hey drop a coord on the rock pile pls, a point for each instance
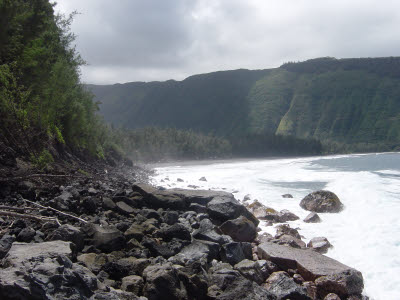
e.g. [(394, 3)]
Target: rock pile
[(126, 240)]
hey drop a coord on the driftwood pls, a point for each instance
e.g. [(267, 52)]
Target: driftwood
[(28, 216), (58, 211), (40, 175)]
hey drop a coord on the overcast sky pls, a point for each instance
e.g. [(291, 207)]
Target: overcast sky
[(146, 40)]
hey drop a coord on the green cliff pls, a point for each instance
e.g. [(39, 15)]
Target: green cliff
[(351, 104)]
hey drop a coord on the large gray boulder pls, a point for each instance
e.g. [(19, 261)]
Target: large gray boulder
[(196, 251), (322, 201), (227, 208), (284, 287), (105, 238), (240, 229), (319, 244), (44, 271), (312, 266)]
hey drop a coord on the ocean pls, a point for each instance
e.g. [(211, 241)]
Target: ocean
[(365, 235)]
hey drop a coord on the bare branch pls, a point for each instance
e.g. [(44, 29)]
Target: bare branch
[(58, 211)]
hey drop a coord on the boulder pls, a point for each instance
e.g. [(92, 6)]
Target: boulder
[(257, 271), (44, 271), (26, 235), (68, 233), (197, 251), (171, 217), (319, 244), (227, 208), (287, 196), (343, 284), (156, 248), (167, 233), (228, 284), (207, 232), (322, 201), (155, 198), (124, 208), (105, 238), (289, 240), (285, 229), (263, 212), (133, 284), (312, 218), (332, 275), (235, 252), (202, 179), (331, 296), (5, 244), (284, 287), (162, 282), (240, 229), (94, 262)]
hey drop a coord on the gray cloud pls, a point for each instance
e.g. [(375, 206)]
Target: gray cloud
[(133, 40)]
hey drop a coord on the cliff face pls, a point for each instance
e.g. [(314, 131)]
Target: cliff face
[(351, 101)]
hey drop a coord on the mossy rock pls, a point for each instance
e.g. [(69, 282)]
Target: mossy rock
[(322, 201)]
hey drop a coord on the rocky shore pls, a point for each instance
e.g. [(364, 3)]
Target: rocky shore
[(114, 237)]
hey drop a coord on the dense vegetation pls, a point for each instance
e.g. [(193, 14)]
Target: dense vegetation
[(347, 104), (42, 101)]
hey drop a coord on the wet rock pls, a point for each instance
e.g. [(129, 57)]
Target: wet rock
[(68, 233), (228, 208), (344, 284), (198, 208), (312, 218), (178, 231), (171, 217), (26, 235), (284, 287), (240, 229), (311, 289), (289, 240), (197, 251), (44, 271), (263, 212), (94, 262), (287, 196), (207, 232), (179, 180), (332, 275), (235, 252), (332, 296), (162, 282), (285, 229), (133, 284), (322, 201), (257, 271), (155, 198), (156, 248), (5, 244), (202, 179), (108, 203), (228, 284), (124, 208), (286, 215), (106, 238), (319, 244)]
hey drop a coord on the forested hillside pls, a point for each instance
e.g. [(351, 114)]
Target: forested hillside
[(42, 101), (349, 104)]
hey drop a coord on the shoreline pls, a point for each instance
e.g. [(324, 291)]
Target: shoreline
[(122, 239)]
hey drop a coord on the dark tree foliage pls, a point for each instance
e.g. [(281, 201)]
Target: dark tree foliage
[(382, 66), (267, 144), (41, 97), (161, 144)]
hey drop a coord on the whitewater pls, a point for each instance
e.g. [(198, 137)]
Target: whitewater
[(365, 235)]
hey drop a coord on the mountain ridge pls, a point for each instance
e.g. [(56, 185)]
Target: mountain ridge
[(352, 102)]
